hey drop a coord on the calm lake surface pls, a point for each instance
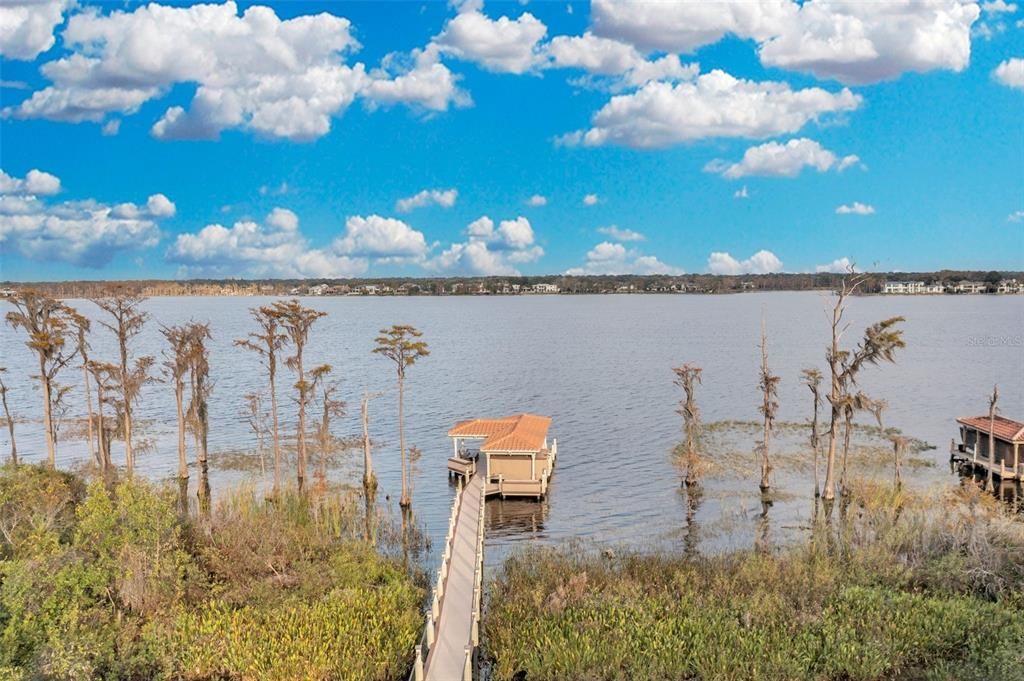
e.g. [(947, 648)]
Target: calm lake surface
[(600, 366)]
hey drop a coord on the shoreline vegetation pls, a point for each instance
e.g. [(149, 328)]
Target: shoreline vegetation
[(953, 282), (900, 586), (109, 580)]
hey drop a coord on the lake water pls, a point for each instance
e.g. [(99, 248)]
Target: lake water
[(600, 366)]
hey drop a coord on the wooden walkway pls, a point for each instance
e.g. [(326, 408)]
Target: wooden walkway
[(451, 632)]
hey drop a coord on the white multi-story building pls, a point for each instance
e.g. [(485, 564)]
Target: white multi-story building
[(545, 288), (903, 287), (970, 287), (1010, 286)]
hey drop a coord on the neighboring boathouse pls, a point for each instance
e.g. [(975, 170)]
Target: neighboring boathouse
[(1008, 441), (514, 457)]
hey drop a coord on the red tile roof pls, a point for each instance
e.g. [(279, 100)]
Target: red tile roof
[(1005, 429), (519, 433)]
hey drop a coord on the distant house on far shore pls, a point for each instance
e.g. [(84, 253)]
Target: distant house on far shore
[(1010, 286), (903, 287), (970, 287), (545, 288)]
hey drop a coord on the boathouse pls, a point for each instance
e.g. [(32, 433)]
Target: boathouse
[(513, 454), (1008, 441)]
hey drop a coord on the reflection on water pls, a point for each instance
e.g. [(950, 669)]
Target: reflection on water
[(1010, 492), (600, 366), (516, 518)]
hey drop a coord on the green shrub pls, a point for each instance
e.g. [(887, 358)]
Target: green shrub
[(115, 585)]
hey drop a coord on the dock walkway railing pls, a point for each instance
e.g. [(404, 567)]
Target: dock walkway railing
[(431, 628)]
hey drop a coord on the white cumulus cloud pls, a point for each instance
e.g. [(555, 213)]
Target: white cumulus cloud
[(618, 234), (614, 258), (590, 200), (685, 26), (26, 26), (440, 197), (537, 200), (782, 160), (837, 266), (381, 238), (35, 182), (862, 42), (714, 105), (275, 248), (762, 262), (1016, 216), (607, 57), (856, 208), (852, 41), (490, 251), (503, 45), (84, 233), (418, 79), (281, 78), (1010, 73)]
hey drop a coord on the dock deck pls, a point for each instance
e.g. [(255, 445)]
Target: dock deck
[(451, 631)]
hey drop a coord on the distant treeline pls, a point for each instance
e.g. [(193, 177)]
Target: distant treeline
[(687, 283)]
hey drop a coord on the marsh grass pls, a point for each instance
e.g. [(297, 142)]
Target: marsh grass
[(897, 585), (111, 582), (729, 449)]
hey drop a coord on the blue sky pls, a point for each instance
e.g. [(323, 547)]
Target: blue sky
[(280, 139)]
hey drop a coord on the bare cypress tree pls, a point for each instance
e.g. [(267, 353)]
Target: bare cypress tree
[(47, 322), (82, 325), (7, 415), (297, 321), (880, 342), (330, 407), (687, 377), (899, 449), (254, 416), (812, 379), (198, 409), (58, 409), (267, 343), (369, 477), (128, 321), (993, 402), (177, 364), (401, 345), (104, 375), (769, 384)]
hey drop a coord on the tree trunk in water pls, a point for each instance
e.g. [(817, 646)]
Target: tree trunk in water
[(765, 461), (204, 469), (369, 479), (88, 415), (277, 440), (814, 438), (301, 467), (182, 461), (830, 462), (10, 429), (405, 502), (847, 425), (128, 456), (834, 395), (101, 428), (51, 446)]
